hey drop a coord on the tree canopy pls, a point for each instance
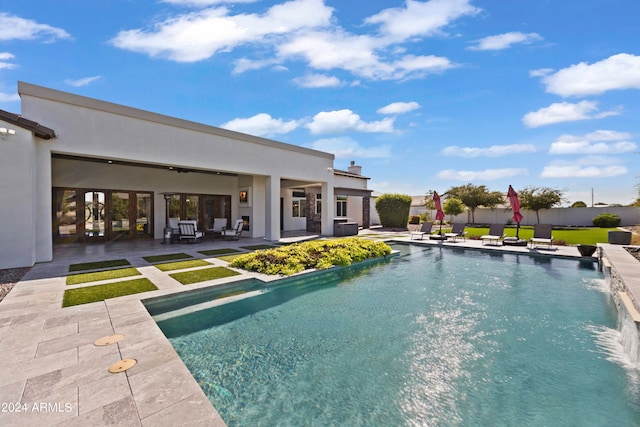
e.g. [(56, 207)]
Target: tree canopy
[(475, 195), (537, 198)]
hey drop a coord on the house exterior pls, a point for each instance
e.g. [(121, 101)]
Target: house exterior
[(77, 169)]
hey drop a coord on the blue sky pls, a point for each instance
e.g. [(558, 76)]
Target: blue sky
[(424, 95)]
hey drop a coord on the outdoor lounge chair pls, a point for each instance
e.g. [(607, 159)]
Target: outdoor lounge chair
[(457, 230), (496, 232), (219, 225), (541, 235), (189, 230), (235, 232), (424, 229)]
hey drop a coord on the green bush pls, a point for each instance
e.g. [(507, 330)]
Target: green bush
[(606, 220), (393, 209), (318, 254)]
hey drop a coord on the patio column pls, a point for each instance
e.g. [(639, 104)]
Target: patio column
[(328, 209), (272, 208)]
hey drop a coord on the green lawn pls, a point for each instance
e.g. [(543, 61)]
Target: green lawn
[(202, 275), (101, 292), (98, 265), (166, 257), (570, 236), (180, 265), (76, 279)]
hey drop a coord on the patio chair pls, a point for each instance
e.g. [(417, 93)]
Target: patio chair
[(424, 229), (189, 231), (457, 230), (219, 224), (496, 232), (235, 232), (541, 235)]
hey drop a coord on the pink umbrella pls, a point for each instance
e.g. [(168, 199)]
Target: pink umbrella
[(515, 206), (439, 211)]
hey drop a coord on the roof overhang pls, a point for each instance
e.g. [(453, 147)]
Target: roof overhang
[(37, 129)]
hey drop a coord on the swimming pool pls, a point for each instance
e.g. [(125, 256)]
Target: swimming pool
[(433, 337)]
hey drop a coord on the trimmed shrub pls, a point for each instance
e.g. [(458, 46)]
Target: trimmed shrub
[(318, 254), (393, 209), (606, 220)]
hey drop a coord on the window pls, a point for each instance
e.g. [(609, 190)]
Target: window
[(299, 205), (341, 206)]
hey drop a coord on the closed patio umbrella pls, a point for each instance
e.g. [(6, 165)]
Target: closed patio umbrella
[(515, 206), (439, 211)]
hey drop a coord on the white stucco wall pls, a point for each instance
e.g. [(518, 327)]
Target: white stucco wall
[(18, 211)]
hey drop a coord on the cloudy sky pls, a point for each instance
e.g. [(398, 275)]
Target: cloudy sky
[(424, 95)]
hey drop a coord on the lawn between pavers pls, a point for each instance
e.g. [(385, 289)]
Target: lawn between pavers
[(98, 265), (96, 293), (203, 275), (76, 279)]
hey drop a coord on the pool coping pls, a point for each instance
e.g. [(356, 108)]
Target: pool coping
[(52, 362)]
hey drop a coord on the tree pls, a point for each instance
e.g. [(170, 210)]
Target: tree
[(453, 207), (536, 198), (476, 195), (393, 209), (579, 204)]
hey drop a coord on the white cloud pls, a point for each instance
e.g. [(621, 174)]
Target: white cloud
[(82, 82), (582, 171), (492, 151), (345, 147), (198, 35), (399, 108), (565, 112), (618, 72), (598, 142), (204, 3), (5, 58), (317, 81), (541, 72), (341, 121), (9, 97), (261, 125), (487, 174), (504, 41), (302, 30), (418, 18), (15, 28)]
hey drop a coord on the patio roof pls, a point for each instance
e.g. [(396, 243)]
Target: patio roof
[(38, 130)]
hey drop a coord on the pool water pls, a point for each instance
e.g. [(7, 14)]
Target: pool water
[(434, 337)]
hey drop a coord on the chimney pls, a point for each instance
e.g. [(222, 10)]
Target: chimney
[(357, 170)]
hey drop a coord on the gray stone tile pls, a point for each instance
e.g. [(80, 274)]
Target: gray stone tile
[(103, 392), (199, 410), (22, 370), (12, 392), (71, 341), (121, 413), (161, 387), (149, 354)]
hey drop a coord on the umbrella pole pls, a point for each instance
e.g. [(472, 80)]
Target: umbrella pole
[(518, 231)]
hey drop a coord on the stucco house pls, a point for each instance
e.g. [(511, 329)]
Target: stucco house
[(77, 169)]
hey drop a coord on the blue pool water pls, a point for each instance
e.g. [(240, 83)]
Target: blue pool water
[(434, 337)]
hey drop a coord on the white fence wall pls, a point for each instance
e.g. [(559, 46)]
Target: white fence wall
[(581, 217)]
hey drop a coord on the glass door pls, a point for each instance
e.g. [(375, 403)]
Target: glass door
[(94, 215), (119, 218), (144, 212)]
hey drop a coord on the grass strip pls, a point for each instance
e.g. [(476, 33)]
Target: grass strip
[(257, 247), (229, 258), (76, 279), (216, 252), (195, 276), (569, 236), (166, 257), (180, 265), (90, 294), (98, 265)]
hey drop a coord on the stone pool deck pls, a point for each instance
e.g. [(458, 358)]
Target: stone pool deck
[(53, 374)]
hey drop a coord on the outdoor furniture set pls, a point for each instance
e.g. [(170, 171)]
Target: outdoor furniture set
[(187, 230), (541, 235)]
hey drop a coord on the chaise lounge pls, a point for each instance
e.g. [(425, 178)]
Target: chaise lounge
[(496, 232), (424, 229), (541, 235), (457, 230)]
